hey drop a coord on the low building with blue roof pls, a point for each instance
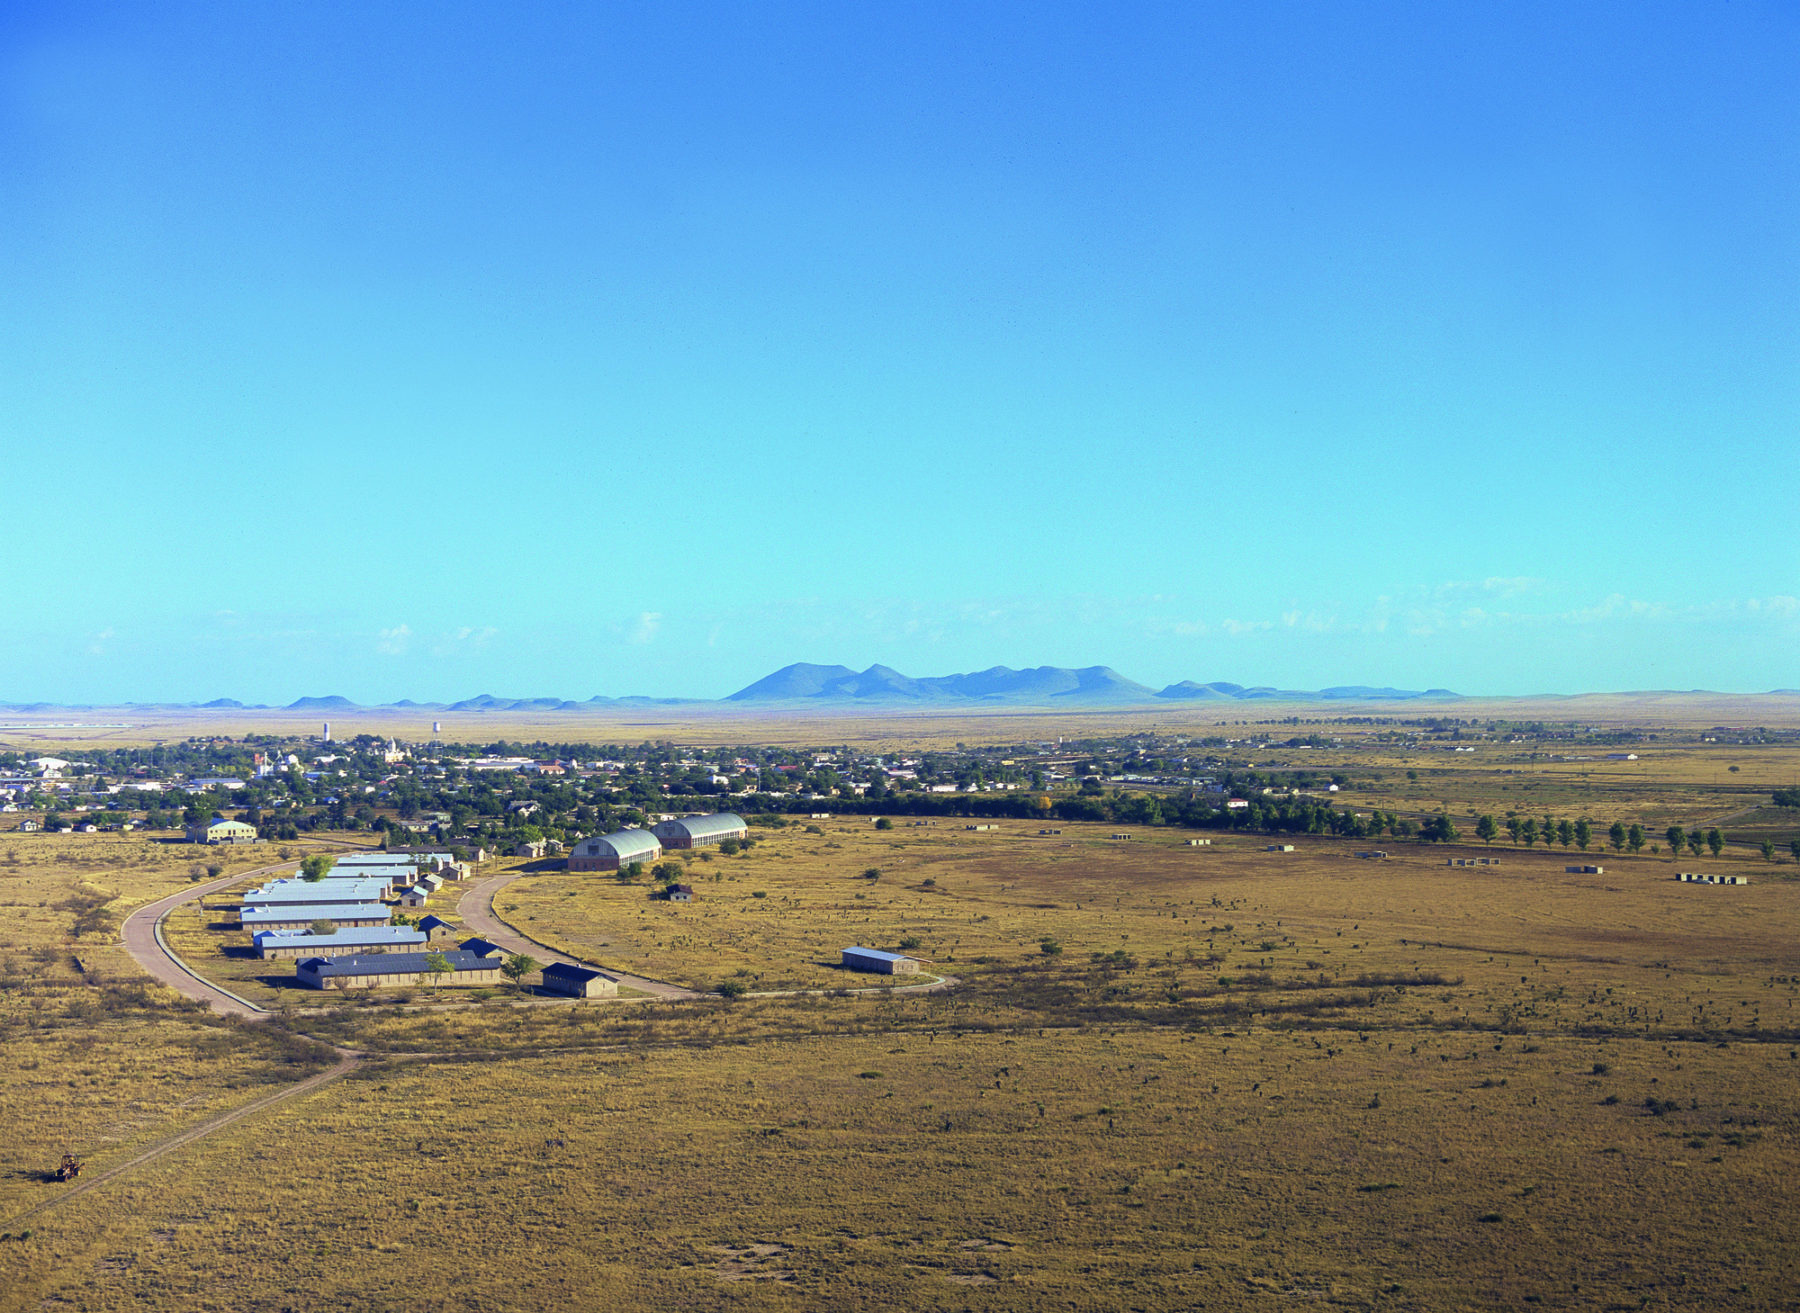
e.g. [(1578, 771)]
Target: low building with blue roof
[(372, 971), (369, 939), (341, 916), (302, 893), (884, 963), (578, 982)]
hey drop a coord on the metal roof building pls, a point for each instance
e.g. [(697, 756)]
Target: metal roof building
[(391, 859), (610, 852), (395, 969), (301, 918), (481, 948), (697, 831), (369, 939), (579, 982), (312, 893), (874, 959)]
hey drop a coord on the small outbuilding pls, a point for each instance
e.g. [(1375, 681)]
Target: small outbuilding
[(880, 962), (434, 926), (578, 982), (681, 893), (532, 849), (1279, 848), (414, 897), (481, 948)]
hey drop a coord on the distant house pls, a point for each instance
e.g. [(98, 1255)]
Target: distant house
[(578, 982), (26, 827), (680, 893), (700, 831), (1279, 848), (377, 969), (414, 897), (532, 849), (883, 963), (435, 926), (612, 852), (221, 831), (481, 948), (1585, 870), (1199, 843), (1236, 804)]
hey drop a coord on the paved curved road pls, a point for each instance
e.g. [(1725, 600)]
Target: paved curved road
[(476, 908), (143, 940)]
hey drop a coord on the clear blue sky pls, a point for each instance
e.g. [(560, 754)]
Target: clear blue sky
[(418, 351)]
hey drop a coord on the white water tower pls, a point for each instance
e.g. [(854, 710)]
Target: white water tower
[(325, 736)]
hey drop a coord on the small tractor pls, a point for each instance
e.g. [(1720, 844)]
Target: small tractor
[(68, 1169)]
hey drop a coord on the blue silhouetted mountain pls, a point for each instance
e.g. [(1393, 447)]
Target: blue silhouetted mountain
[(1187, 689), (791, 683), (1040, 684), (1035, 686), (332, 703), (221, 703)]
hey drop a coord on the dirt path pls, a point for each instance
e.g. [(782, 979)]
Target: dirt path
[(476, 908), (348, 1061)]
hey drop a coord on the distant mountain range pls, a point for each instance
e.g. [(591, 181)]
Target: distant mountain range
[(1036, 686), (804, 685)]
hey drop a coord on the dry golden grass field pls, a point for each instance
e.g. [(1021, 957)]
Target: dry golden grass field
[(880, 730), (1170, 1078)]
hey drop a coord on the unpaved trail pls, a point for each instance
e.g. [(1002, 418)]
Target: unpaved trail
[(348, 1061), (476, 908)]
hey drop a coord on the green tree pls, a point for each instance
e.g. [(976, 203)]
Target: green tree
[(1584, 834), (1715, 841), (1768, 850), (314, 868), (1513, 827), (729, 989), (437, 966), (517, 966), (1695, 841), (884, 824), (667, 872), (1676, 837), (1548, 830), (1528, 828), (1794, 848), (1634, 838), (1565, 833), (1486, 829), (1617, 836)]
